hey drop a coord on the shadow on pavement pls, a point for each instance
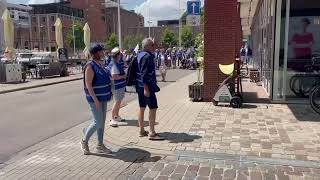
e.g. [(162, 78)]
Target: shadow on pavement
[(303, 112), (179, 137), (134, 123), (249, 106), (133, 155)]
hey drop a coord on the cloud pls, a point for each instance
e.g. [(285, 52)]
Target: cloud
[(155, 10)]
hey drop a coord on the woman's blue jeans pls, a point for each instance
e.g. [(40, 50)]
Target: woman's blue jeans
[(98, 122)]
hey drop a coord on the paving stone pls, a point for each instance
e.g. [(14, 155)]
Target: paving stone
[(158, 167), (176, 176), (180, 169), (202, 178), (229, 174), (256, 175), (151, 174), (162, 178), (193, 168), (204, 171), (168, 169)]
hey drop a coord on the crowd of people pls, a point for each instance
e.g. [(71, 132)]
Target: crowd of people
[(105, 77)]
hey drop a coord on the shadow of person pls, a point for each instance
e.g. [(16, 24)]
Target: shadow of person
[(134, 123), (179, 137), (133, 155)]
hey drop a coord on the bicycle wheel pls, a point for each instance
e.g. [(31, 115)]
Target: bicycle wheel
[(315, 99), (307, 84), (295, 85)]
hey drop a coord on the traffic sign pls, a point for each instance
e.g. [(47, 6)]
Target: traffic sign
[(194, 7), (193, 20)]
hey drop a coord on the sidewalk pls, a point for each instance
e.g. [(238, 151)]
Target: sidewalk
[(34, 83), (259, 141)]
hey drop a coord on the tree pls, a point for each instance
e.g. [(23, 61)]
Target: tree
[(78, 36), (199, 45), (168, 38), (112, 41), (131, 41), (187, 39)]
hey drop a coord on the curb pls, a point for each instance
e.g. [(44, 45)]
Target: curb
[(39, 85)]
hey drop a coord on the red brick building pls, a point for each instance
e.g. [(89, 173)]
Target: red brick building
[(129, 20), (95, 15), (223, 37)]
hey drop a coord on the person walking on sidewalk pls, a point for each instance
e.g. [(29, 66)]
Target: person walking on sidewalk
[(163, 67), (118, 74), (97, 88), (147, 88)]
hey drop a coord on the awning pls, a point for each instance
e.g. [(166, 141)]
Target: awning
[(247, 11)]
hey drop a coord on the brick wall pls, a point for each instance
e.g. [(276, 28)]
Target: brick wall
[(221, 41), (94, 14)]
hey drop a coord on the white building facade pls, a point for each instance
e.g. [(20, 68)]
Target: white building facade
[(3, 5)]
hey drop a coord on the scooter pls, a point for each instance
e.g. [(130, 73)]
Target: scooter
[(230, 90)]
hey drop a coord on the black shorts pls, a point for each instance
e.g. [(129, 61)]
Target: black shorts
[(144, 101)]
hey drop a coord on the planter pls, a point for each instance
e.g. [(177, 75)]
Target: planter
[(196, 91)]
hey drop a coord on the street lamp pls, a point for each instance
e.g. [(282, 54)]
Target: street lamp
[(149, 22), (119, 25)]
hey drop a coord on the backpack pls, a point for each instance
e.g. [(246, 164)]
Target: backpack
[(132, 71)]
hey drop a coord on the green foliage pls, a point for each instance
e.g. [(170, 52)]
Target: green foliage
[(168, 38), (199, 40), (112, 41), (78, 34), (187, 39), (131, 41)]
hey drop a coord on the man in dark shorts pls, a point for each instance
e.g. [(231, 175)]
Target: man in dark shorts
[(147, 88)]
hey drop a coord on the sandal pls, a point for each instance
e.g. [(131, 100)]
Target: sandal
[(156, 137), (144, 134)]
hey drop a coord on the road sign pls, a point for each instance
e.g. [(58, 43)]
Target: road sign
[(193, 20), (194, 7)]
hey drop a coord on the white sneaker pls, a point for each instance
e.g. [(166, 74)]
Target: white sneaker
[(102, 149), (113, 123), (119, 119)]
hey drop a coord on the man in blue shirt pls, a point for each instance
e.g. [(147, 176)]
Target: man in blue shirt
[(147, 88)]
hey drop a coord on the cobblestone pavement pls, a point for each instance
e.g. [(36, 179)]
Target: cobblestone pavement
[(256, 142)]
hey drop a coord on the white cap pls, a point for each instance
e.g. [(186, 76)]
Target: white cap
[(115, 51)]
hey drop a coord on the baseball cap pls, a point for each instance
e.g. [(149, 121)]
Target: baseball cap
[(115, 51), (96, 48)]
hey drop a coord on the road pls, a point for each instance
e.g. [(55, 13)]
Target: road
[(31, 116)]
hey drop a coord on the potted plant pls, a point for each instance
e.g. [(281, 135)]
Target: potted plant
[(196, 89)]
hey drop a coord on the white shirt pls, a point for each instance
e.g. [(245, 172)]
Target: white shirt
[(115, 70)]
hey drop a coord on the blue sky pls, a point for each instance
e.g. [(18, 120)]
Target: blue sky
[(152, 10)]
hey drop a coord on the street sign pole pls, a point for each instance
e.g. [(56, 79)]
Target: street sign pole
[(180, 24)]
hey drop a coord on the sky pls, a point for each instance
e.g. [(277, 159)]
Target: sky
[(152, 10)]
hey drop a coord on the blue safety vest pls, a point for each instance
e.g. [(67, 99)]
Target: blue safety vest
[(122, 83), (152, 80), (101, 83)]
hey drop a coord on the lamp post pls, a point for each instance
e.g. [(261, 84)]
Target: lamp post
[(180, 23), (119, 26), (149, 22)]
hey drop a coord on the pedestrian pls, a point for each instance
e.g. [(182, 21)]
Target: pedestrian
[(147, 88), (117, 68), (243, 54), (163, 67), (173, 55), (97, 88), (249, 55), (179, 56)]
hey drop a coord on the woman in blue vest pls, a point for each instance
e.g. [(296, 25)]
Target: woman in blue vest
[(118, 74), (97, 88)]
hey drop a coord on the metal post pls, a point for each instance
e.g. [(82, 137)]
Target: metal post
[(74, 38), (119, 26), (49, 32), (149, 31)]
